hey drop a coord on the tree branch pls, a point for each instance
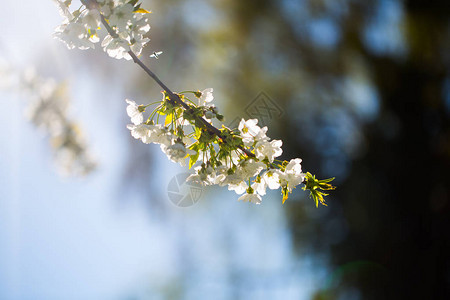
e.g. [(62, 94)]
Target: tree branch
[(174, 98)]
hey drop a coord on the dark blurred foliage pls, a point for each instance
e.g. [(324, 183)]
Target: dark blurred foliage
[(365, 90)]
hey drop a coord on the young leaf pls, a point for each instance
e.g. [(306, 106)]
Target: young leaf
[(285, 193), (143, 11), (193, 159), (168, 119), (198, 133)]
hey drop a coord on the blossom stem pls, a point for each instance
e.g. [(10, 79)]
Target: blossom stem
[(189, 100), (152, 104), (152, 115), (184, 92)]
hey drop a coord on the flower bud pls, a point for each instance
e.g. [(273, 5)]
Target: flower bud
[(209, 114), (198, 94)]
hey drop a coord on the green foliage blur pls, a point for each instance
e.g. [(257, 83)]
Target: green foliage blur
[(364, 87)]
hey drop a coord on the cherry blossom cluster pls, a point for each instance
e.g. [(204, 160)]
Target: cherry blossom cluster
[(244, 159), (48, 109), (126, 30)]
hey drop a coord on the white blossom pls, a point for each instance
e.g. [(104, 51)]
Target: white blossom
[(196, 179), (258, 138), (251, 133), (74, 35), (232, 179), (238, 188), (134, 112), (206, 97), (178, 152), (137, 42), (146, 133), (270, 149), (294, 166), (208, 176), (91, 19), (63, 9), (161, 135), (80, 28), (272, 179), (260, 187), (151, 134), (248, 128), (253, 198), (250, 168), (116, 47), (121, 16), (292, 176)]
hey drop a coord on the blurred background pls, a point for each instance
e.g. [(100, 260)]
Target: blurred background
[(362, 92)]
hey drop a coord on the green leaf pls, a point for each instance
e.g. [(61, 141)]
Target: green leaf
[(193, 159), (327, 180), (168, 119), (315, 185), (285, 193), (198, 133), (142, 11)]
